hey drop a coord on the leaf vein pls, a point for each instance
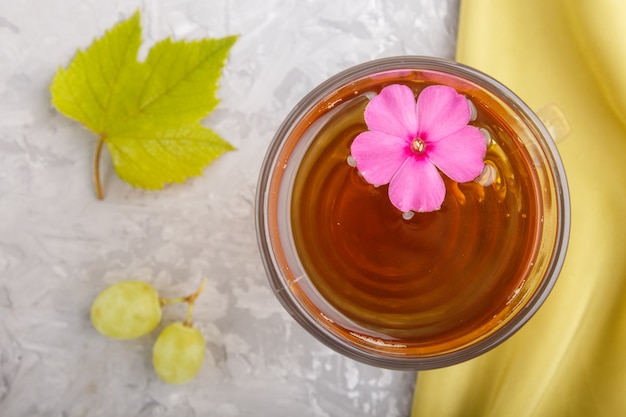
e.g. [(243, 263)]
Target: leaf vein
[(119, 70), (142, 108), (74, 95)]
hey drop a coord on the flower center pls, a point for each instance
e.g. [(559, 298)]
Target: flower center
[(418, 146)]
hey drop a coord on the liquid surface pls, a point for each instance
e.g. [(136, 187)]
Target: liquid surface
[(434, 278)]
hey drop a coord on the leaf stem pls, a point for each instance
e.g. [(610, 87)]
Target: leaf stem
[(96, 168)]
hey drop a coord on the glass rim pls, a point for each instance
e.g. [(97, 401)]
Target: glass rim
[(562, 203)]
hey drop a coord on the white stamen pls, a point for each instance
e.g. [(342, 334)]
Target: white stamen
[(418, 146), (408, 215), (351, 161)]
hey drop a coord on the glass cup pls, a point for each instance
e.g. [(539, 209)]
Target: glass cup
[(426, 290)]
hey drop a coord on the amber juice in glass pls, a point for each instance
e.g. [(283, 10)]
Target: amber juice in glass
[(411, 292)]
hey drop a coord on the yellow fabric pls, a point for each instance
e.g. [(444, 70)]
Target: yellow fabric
[(570, 359)]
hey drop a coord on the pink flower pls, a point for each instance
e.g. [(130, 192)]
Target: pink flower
[(409, 142)]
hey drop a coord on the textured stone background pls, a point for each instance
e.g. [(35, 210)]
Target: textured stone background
[(59, 246)]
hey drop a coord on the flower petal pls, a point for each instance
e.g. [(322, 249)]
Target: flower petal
[(379, 155), (441, 111), (417, 186), (393, 111), (460, 155)]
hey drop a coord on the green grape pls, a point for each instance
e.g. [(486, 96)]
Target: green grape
[(126, 310), (178, 353)]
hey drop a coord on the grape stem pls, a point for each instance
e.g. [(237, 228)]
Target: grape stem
[(189, 299)]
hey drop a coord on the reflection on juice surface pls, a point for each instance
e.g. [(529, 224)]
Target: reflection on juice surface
[(432, 282)]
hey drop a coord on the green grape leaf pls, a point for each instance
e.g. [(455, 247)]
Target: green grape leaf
[(147, 113)]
